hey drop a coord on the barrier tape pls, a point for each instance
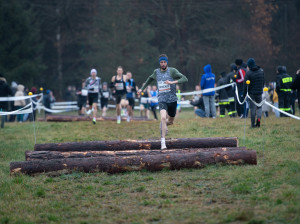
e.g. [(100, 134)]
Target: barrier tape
[(22, 110), (14, 98)]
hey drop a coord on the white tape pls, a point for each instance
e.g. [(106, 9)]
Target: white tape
[(14, 98), (281, 111), (207, 90), (22, 110)]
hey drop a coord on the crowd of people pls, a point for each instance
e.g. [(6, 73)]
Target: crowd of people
[(282, 93), (122, 89)]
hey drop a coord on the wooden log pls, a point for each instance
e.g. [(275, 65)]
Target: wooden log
[(118, 164), (121, 145), (47, 155), (70, 118)]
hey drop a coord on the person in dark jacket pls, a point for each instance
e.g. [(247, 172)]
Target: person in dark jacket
[(284, 88), (255, 75), (296, 85), (223, 96), (5, 91), (239, 79), (231, 90), (200, 111)]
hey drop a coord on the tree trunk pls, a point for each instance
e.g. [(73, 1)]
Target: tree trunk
[(70, 118), (48, 155), (118, 164), (121, 145)]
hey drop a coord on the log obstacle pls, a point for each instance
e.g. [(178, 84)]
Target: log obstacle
[(123, 145), (48, 155), (70, 118), (172, 159)]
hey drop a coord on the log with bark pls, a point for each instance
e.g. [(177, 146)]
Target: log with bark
[(118, 164), (70, 118), (47, 155), (121, 145)]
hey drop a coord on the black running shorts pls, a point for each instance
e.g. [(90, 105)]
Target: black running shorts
[(131, 102), (104, 102), (119, 97), (93, 98), (169, 107)]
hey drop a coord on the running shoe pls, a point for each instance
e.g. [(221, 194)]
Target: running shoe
[(163, 146), (94, 120)]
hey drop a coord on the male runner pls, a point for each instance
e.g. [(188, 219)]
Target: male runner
[(118, 83), (166, 78), (130, 96), (93, 85)]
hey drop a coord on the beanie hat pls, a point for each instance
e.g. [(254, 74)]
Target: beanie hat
[(238, 62), (94, 70), (251, 63)]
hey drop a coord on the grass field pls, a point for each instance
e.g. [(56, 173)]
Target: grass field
[(266, 193)]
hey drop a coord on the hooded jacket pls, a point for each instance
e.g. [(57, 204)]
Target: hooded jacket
[(257, 80), (5, 91), (208, 80), (20, 92)]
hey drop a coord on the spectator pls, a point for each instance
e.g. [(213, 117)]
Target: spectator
[(153, 103), (296, 86), (223, 97), (14, 87), (207, 82), (19, 103), (5, 91), (240, 77), (275, 100), (231, 90), (266, 108), (199, 107), (283, 88), (47, 102), (255, 89)]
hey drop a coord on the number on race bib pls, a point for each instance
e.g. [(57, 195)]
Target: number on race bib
[(163, 88), (119, 86), (84, 92)]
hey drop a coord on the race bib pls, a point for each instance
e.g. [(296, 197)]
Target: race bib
[(96, 89), (106, 94), (84, 92), (163, 88), (119, 86), (128, 88)]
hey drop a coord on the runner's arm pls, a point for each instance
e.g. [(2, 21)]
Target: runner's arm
[(180, 78), (150, 79)]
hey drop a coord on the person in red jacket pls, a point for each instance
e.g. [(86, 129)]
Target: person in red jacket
[(239, 79)]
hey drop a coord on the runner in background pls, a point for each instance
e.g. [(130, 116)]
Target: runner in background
[(166, 79), (144, 102), (93, 85), (82, 98), (153, 101), (118, 85), (130, 96), (104, 98)]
